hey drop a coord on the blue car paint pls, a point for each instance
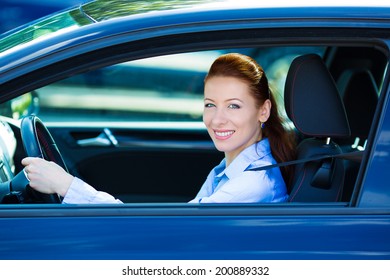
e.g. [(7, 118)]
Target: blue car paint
[(376, 185), (196, 237)]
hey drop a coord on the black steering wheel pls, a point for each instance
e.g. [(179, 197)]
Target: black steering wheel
[(38, 142)]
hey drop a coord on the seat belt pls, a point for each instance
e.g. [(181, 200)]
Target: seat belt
[(355, 156)]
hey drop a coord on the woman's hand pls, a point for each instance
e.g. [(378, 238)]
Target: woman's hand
[(46, 176)]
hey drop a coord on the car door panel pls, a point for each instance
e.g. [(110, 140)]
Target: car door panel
[(181, 232)]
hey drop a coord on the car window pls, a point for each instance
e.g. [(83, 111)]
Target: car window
[(153, 108), (163, 88)]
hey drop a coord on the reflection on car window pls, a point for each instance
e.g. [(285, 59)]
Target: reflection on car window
[(164, 88)]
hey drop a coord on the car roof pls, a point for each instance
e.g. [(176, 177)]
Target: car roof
[(103, 10)]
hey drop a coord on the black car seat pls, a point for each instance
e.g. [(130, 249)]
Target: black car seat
[(315, 107), (359, 92), (360, 96)]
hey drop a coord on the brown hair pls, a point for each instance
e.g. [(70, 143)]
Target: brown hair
[(245, 68)]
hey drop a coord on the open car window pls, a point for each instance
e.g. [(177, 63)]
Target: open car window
[(121, 120)]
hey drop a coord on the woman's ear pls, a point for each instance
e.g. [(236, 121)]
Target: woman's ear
[(265, 111)]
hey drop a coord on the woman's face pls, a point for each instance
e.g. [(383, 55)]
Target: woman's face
[(231, 116)]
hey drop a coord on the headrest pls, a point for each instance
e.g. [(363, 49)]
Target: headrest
[(312, 100), (360, 96)]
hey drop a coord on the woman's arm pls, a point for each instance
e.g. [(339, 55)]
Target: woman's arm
[(80, 192)]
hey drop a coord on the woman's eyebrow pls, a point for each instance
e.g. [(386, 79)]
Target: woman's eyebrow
[(235, 99), (227, 100)]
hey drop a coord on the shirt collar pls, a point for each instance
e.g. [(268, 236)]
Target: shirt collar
[(246, 158)]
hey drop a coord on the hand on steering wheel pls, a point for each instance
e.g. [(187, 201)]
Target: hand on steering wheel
[(38, 142)]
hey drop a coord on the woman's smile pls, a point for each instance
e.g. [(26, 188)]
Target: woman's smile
[(223, 134)]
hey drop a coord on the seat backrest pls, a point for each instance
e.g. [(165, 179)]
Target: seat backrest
[(360, 96), (315, 107)]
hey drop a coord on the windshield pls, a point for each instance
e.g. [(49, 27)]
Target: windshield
[(88, 13), (45, 27)]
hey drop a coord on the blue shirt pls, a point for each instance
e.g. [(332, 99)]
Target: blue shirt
[(236, 184)]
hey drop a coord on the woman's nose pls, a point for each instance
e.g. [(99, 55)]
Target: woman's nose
[(219, 117)]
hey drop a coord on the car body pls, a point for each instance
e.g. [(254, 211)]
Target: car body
[(135, 70)]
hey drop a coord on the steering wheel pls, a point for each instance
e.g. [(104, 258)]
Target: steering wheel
[(38, 142)]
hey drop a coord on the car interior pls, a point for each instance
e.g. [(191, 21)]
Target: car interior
[(307, 105), (158, 155)]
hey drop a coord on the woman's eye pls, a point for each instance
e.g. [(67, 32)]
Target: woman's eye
[(209, 105), (234, 106)]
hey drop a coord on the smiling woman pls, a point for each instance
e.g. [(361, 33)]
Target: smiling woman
[(238, 102)]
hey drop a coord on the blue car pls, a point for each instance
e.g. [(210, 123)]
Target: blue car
[(113, 91)]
